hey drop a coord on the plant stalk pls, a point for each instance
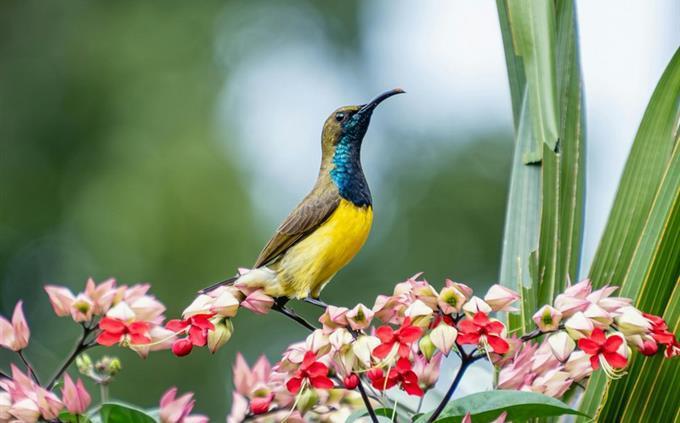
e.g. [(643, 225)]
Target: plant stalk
[(81, 346)]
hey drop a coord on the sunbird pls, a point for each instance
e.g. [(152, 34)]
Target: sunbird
[(331, 224)]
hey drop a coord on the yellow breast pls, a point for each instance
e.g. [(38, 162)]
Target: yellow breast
[(310, 264)]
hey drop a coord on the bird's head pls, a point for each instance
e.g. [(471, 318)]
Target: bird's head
[(347, 125)]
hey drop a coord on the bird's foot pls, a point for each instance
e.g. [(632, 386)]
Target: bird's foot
[(316, 301)]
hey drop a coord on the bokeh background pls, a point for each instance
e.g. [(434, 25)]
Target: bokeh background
[(164, 141)]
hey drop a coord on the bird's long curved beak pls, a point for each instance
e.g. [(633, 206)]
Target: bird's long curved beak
[(379, 99)]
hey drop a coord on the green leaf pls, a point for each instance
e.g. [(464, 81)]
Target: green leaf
[(66, 417), (123, 413), (545, 203), (532, 24), (640, 251), (487, 406)]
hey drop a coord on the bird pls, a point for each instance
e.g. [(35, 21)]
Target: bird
[(329, 226)]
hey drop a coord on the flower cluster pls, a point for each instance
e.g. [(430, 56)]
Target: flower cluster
[(586, 330), (125, 315), (22, 399)]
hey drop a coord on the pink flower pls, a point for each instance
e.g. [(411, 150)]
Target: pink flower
[(30, 401), (427, 370), (403, 338), (334, 317), (518, 372), (14, 336), (102, 295), (359, 317), (480, 328), (444, 337), (177, 410), (579, 290), (61, 299), (196, 326), (75, 397), (312, 371), (451, 300), (499, 298), (258, 302), (547, 318)]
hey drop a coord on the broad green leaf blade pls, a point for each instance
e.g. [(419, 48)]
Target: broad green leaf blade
[(487, 406), (640, 249), (532, 24), (121, 413), (515, 67), (545, 204), (66, 417)]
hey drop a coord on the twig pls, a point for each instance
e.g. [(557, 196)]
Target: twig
[(367, 402), (294, 316), (82, 345), (29, 368)]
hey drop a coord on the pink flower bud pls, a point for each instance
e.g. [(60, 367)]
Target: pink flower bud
[(61, 299), (427, 370), (226, 303), (258, 302), (599, 316), (200, 305), (25, 410), (444, 337), (176, 410), (260, 405), (359, 317), (5, 405), (475, 305), (75, 396), (579, 290), (568, 305), (561, 345), (553, 383), (318, 342), (499, 298), (464, 289), (547, 318), (578, 365), (14, 336), (631, 321), (420, 314), (579, 326)]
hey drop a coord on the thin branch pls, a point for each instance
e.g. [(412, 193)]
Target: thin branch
[(29, 367), (82, 345), (367, 402), (295, 317)]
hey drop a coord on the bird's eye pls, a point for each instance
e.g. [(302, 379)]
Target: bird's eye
[(339, 116)]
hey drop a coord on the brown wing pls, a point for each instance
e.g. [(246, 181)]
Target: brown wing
[(306, 217)]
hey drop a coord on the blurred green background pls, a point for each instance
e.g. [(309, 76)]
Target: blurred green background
[(163, 142)]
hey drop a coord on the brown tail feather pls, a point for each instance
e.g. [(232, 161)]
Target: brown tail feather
[(213, 287)]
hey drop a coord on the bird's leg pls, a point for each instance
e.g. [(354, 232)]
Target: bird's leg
[(280, 306), (316, 301)]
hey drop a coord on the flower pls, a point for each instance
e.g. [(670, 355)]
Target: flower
[(115, 331), (427, 370), (30, 401), (312, 371), (258, 302), (218, 337), (401, 374), (403, 338), (547, 318), (61, 299), (351, 381), (481, 329), (359, 317), (630, 321), (518, 371), (14, 336), (578, 365), (334, 317), (604, 350), (363, 347), (75, 396), (451, 300), (196, 326), (475, 305), (444, 337), (499, 298), (419, 313), (177, 410), (578, 326), (561, 345)]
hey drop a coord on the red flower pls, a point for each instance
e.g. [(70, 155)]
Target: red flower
[(351, 381), (660, 331), (311, 370), (600, 345), (115, 331), (406, 335), (260, 405), (401, 374), (197, 327), (470, 331)]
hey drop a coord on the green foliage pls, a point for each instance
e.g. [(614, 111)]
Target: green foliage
[(66, 417), (640, 251), (123, 413), (545, 204), (487, 406)]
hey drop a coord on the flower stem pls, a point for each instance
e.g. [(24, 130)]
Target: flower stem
[(82, 345), (29, 368), (466, 360), (367, 402), (103, 393), (293, 316)]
